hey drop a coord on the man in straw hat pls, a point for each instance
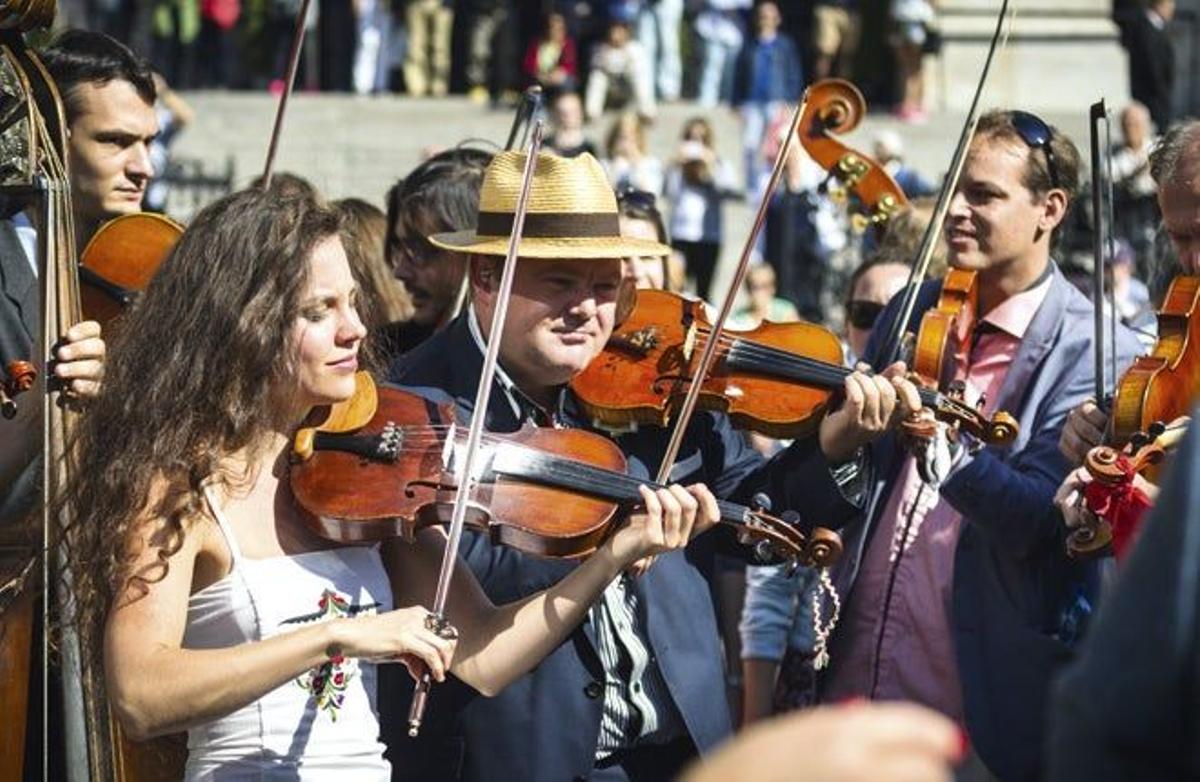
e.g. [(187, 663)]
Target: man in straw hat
[(638, 689)]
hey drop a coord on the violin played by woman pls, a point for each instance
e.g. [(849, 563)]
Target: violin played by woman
[(401, 464)]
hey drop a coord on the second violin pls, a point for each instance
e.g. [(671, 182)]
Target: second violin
[(777, 379)]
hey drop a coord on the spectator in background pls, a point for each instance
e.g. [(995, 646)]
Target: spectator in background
[(441, 194), (281, 29), (872, 286), (1152, 60), (427, 63), (550, 59), (174, 114), (568, 140), (658, 23), (804, 231), (491, 36), (1132, 296), (629, 164), (768, 75), (640, 219), (217, 54), (762, 303), (1135, 207), (911, 22), (721, 29), (175, 25), (372, 27), (836, 27), (696, 184), (383, 303), (618, 74), (889, 153)]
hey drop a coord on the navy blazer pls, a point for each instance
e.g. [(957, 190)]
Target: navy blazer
[(545, 725), (20, 448), (1015, 589)]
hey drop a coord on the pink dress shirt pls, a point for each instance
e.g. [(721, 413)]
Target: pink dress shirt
[(895, 641)]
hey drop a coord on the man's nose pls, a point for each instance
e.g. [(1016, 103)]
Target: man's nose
[(140, 165)]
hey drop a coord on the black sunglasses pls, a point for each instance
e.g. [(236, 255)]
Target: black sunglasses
[(1034, 131), (639, 199), (863, 314)]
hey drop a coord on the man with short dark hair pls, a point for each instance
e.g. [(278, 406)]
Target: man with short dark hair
[(108, 97), (108, 94), (441, 194)]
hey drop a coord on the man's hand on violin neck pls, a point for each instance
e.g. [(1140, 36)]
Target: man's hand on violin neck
[(872, 404), (1083, 431), (79, 360), (669, 518)]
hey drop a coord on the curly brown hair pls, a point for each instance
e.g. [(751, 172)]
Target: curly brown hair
[(191, 379)]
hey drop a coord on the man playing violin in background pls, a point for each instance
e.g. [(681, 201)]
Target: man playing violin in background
[(637, 690), (108, 95), (1175, 168), (959, 598)]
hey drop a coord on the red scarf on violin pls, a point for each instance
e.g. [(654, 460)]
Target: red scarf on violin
[(1121, 503)]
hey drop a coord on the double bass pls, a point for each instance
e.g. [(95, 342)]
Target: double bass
[(34, 178)]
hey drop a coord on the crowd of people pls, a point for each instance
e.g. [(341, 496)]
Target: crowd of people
[(202, 589), (638, 52)]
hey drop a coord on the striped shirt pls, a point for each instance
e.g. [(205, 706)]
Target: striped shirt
[(638, 708), (637, 705)]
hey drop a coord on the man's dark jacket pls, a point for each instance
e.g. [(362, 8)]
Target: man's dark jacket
[(545, 725)]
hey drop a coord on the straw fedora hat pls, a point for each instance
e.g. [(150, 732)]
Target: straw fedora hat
[(572, 212)]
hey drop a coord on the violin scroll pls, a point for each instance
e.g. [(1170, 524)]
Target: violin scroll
[(836, 107), (19, 376)]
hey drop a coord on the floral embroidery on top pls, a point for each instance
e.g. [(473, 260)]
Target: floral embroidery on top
[(327, 682)]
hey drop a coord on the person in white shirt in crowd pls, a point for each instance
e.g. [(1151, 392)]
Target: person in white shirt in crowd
[(697, 182), (627, 159), (619, 72)]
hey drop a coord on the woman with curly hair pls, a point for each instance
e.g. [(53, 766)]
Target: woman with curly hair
[(214, 607)]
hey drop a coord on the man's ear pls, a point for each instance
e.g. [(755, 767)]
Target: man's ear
[(484, 273), (1054, 209)]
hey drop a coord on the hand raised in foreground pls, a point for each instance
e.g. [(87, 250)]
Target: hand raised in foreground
[(856, 742)]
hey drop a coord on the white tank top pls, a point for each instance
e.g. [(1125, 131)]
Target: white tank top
[(322, 725)]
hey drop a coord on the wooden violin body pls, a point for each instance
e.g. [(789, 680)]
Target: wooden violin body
[(120, 259), (647, 368), (945, 328), (1162, 385), (547, 492)]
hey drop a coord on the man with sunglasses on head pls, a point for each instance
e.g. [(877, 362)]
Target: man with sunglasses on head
[(961, 597)]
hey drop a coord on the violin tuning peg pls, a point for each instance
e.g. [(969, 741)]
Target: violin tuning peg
[(761, 502)]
